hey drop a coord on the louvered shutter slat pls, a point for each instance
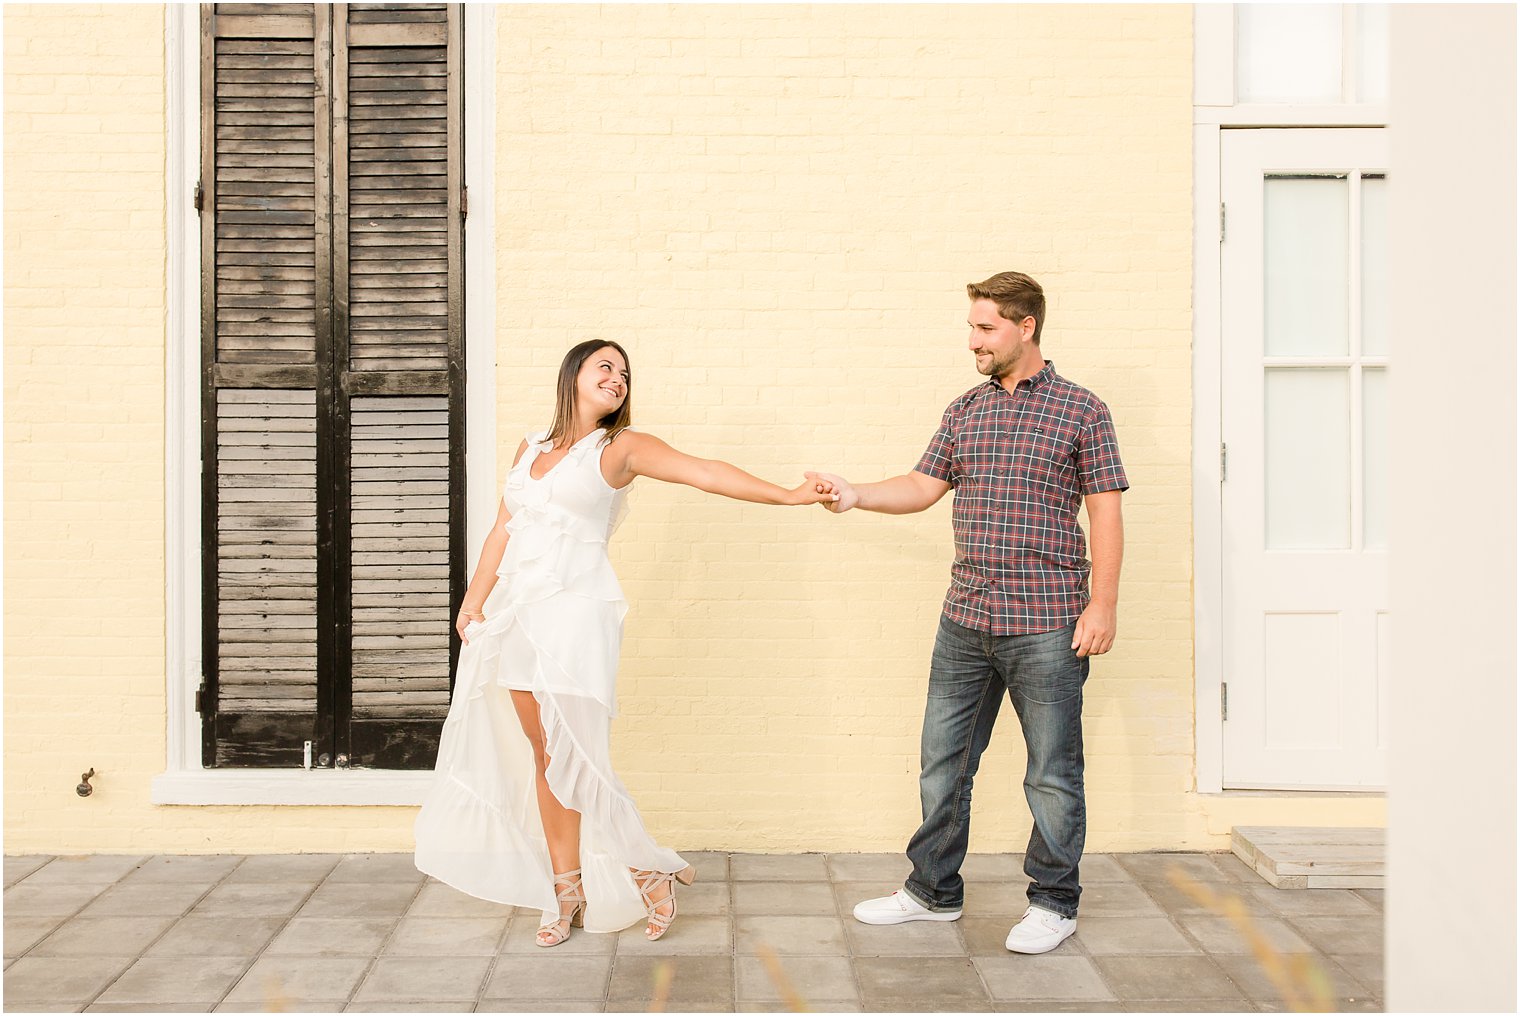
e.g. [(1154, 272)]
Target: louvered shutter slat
[(267, 163), (267, 579), (401, 637), (402, 631), (398, 199)]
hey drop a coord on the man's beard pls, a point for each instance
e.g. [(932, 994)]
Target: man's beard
[(996, 366)]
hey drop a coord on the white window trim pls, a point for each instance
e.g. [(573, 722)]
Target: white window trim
[(184, 780), (1214, 110), (1214, 85)]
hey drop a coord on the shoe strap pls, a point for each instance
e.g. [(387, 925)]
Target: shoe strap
[(647, 882), (650, 880), (553, 928), (572, 893)]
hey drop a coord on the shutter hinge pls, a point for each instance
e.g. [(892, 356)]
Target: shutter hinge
[(1224, 461), (200, 700), (1221, 222), (200, 197), (1224, 701), (464, 203)]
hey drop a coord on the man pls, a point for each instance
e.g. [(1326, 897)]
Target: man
[(1022, 451)]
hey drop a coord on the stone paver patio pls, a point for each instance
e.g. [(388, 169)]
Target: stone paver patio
[(368, 933)]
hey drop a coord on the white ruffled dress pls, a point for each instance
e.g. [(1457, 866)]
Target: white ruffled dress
[(554, 626)]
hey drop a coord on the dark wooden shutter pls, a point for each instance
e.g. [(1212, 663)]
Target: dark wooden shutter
[(264, 220), (333, 431), (400, 273)]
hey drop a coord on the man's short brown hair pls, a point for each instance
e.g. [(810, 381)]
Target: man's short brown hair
[(1017, 297)]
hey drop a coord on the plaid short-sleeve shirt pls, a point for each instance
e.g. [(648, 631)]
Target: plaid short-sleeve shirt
[(1020, 462)]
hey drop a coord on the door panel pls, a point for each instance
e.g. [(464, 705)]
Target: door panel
[(1303, 421)]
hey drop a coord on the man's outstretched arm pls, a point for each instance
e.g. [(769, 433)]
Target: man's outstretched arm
[(900, 495)]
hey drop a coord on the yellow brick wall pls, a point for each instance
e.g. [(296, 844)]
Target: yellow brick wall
[(775, 209), (84, 418)]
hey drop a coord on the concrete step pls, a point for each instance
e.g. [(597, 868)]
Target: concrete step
[(1310, 857)]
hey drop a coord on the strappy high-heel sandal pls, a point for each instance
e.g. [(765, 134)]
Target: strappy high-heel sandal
[(572, 894), (648, 882)]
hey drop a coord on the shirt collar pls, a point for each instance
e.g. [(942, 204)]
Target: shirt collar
[(1041, 377)]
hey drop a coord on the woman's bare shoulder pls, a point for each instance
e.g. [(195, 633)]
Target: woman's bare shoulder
[(637, 442), (631, 436)]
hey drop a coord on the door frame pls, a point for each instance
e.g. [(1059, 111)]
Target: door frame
[(1215, 111)]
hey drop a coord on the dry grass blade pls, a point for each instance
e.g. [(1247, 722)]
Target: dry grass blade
[(274, 994), (659, 997), (1301, 982), (774, 971)]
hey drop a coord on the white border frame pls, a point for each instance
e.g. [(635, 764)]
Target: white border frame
[(184, 780), (1215, 110)]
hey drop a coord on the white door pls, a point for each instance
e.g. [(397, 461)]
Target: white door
[(1304, 497)]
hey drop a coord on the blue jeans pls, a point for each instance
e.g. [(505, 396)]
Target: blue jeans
[(1043, 677)]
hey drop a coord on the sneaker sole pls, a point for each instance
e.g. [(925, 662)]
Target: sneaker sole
[(904, 919)]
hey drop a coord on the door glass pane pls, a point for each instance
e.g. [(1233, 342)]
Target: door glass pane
[(1288, 52), (1375, 458), (1307, 265), (1372, 53), (1374, 266), (1308, 459)]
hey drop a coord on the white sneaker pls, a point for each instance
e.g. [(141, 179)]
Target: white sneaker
[(898, 909), (1040, 931)]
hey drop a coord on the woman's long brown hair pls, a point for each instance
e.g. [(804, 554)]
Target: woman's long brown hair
[(564, 394)]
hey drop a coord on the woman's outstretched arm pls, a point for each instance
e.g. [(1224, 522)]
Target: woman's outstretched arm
[(639, 454), (485, 570)]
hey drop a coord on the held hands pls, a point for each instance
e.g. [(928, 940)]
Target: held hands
[(814, 491), (844, 497), (1095, 630)]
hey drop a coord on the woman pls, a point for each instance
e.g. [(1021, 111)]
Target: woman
[(525, 808)]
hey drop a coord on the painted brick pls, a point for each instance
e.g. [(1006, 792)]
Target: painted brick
[(792, 298)]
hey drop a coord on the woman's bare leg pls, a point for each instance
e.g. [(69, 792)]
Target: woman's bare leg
[(562, 827)]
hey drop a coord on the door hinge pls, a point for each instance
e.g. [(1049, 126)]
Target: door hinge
[(200, 197), (1221, 222), (464, 203), (1224, 461), (1224, 701)]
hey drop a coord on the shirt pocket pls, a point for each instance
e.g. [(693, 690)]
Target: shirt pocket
[(1047, 453)]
